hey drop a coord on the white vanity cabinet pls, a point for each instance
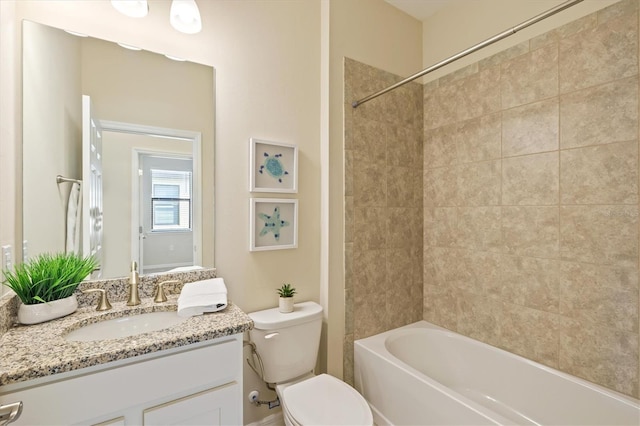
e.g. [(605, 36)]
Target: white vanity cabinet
[(196, 384)]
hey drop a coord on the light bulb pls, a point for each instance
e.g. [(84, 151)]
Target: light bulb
[(185, 16), (131, 8)]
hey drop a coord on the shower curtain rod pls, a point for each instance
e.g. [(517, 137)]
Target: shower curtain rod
[(470, 50)]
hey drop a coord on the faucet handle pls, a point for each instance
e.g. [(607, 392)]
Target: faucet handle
[(103, 302), (160, 294)]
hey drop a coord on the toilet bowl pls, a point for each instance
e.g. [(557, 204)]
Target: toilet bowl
[(287, 344), (323, 400)]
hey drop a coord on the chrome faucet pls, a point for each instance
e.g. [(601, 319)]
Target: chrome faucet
[(134, 280)]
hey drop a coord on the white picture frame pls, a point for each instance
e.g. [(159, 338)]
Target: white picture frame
[(274, 224), (273, 167)]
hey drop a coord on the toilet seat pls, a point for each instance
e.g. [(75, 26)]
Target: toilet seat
[(325, 400)]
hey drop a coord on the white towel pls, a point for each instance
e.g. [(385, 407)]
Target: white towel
[(202, 296), (74, 212)]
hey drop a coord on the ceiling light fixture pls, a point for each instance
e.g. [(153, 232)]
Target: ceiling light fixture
[(185, 16), (131, 8)]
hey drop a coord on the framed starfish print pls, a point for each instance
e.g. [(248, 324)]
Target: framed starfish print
[(273, 167), (274, 224)]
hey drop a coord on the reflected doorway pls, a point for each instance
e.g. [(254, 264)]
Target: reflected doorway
[(166, 212), (128, 211)]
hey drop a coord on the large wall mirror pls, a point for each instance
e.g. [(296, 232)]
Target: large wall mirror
[(118, 149)]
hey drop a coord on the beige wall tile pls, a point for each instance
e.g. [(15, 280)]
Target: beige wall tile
[(444, 265), (505, 55), (404, 147), (603, 355), (440, 147), (603, 174), (599, 55), (479, 139), (369, 228), (531, 77), (440, 306), (348, 269), (604, 295), (404, 301), (531, 231), (439, 107), (370, 313), (369, 141), (617, 10), (599, 115), (479, 183), (441, 187), (348, 173), (530, 180), (529, 281), (530, 129), (348, 311), (600, 234), (369, 184), (404, 227), (441, 226), (531, 333), (479, 317), (348, 219), (476, 271), (369, 272), (479, 228), (402, 186), (478, 94), (347, 362)]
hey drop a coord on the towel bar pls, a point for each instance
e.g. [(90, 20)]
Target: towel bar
[(60, 179)]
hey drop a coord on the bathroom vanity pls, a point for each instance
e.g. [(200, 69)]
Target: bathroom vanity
[(190, 373)]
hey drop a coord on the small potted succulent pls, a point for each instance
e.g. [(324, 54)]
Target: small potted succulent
[(46, 285), (286, 293)]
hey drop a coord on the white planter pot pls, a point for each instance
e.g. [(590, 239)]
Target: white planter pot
[(41, 312), (285, 305)]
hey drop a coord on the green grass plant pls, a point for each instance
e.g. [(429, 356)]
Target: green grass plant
[(48, 277), (286, 290)]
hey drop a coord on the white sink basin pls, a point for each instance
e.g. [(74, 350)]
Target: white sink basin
[(125, 326)]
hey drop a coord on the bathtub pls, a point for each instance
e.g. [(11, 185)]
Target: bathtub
[(422, 374)]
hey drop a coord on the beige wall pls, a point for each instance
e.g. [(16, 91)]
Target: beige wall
[(531, 199), (52, 145)]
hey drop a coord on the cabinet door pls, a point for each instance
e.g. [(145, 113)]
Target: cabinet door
[(218, 406)]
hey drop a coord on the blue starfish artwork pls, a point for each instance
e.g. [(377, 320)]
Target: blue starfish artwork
[(272, 223), (273, 166)]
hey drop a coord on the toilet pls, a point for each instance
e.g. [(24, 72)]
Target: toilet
[(288, 347)]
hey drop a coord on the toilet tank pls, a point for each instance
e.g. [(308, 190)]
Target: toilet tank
[(287, 343)]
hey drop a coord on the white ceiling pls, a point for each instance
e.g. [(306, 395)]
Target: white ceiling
[(420, 9)]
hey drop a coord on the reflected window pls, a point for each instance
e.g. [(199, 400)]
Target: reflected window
[(170, 200)]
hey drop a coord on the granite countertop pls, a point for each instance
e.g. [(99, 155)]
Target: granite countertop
[(33, 351)]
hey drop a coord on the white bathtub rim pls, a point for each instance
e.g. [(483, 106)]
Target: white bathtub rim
[(479, 409), (378, 344)]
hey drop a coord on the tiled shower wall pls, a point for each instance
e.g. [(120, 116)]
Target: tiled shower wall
[(530, 195), (531, 199), (383, 206)]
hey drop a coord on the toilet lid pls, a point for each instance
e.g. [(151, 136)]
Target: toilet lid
[(325, 400)]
